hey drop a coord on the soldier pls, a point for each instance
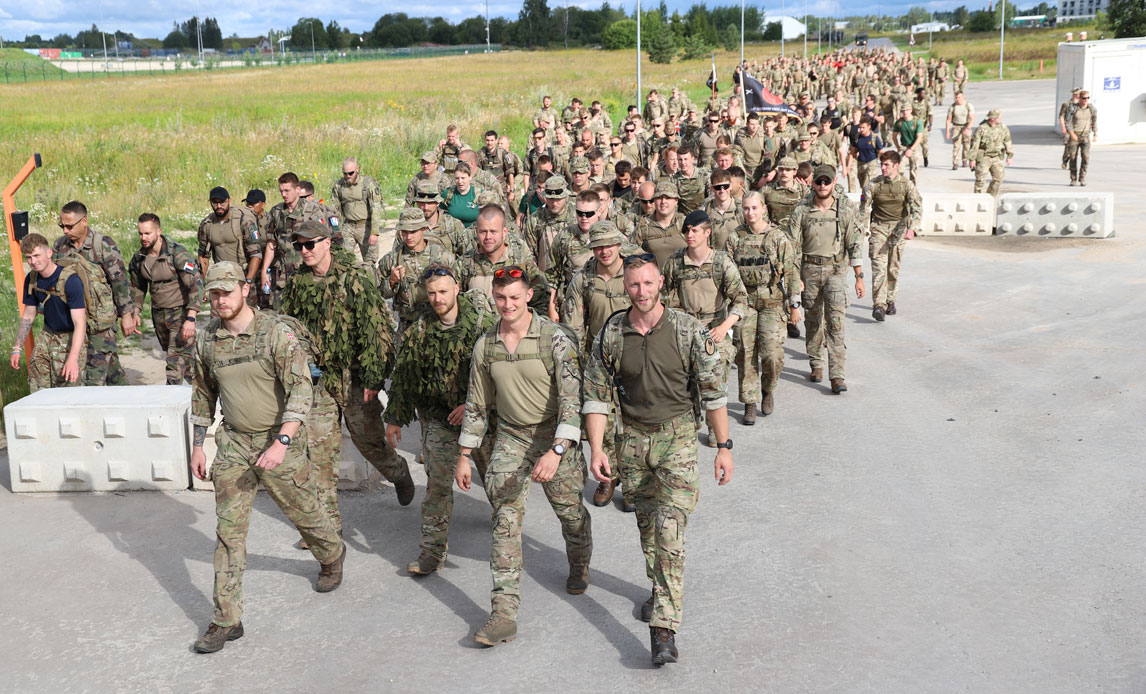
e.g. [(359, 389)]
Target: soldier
[(989, 146), (767, 262), (570, 248), (921, 108), (960, 76), (705, 139), (430, 383), (103, 367), (579, 170), (168, 270), (1064, 110), (230, 234), (893, 209), (941, 74), (571, 111), (723, 210), (252, 365), (705, 284), (825, 231), (960, 117), (545, 224), (783, 194), (441, 229), (649, 355), (460, 200), (546, 116), (691, 181), (660, 232), (475, 269), (538, 432), (495, 160), (909, 132), (429, 172), (1082, 129), (752, 145), (448, 150), (280, 260), (337, 300), (865, 149), (655, 107), (357, 200), (61, 347), (400, 271)]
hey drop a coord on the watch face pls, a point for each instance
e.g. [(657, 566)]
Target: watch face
[(559, 449)]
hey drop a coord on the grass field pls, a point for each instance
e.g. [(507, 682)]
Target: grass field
[(18, 66), (1022, 53)]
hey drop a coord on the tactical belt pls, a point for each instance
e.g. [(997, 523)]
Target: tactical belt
[(163, 281), (713, 319), (823, 259), (958, 124)]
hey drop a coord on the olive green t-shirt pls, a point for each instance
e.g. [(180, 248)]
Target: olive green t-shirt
[(654, 374)]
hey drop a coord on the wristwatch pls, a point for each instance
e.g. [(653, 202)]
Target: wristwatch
[(283, 439), (558, 449), (859, 275), (794, 304), (727, 444)]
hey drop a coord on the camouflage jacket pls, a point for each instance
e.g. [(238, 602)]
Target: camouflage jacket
[(710, 291), (409, 295), (590, 299), (542, 227), (101, 250), (496, 163), (694, 344), (692, 190), (835, 233), (781, 201), (767, 264), (184, 271), (361, 202), (991, 142), (724, 224), (568, 254), (235, 238), (412, 188), (474, 270), (887, 200), (287, 260)]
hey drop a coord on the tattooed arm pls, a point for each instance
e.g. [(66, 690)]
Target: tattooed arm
[(26, 319)]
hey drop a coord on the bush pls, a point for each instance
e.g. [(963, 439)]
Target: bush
[(694, 48), (774, 31), (620, 35), (662, 48), (731, 38)]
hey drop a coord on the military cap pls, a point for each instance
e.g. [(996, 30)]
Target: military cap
[(313, 229), (486, 197), (824, 170), (412, 219), (225, 275), (605, 233), (427, 191), (578, 165), (219, 193), (694, 218), (994, 113), (787, 163), (804, 138), (807, 95), (1076, 90), (555, 187), (430, 156), (666, 189), (254, 195)]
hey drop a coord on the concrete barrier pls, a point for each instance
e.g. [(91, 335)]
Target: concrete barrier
[(957, 214), (100, 439), (1074, 214)]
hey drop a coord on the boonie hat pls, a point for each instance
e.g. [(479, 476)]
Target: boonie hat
[(605, 233), (412, 219), (427, 191), (994, 113), (225, 275), (555, 187), (311, 229)]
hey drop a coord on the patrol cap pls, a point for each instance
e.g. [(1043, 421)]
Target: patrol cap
[(605, 233), (219, 193), (804, 138), (787, 163), (806, 95), (254, 195), (486, 197), (994, 113), (412, 219), (312, 229), (225, 275), (555, 187), (1076, 90), (430, 156), (579, 165), (694, 218), (427, 191), (666, 189), (824, 170)]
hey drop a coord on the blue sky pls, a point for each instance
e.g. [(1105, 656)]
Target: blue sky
[(153, 18)]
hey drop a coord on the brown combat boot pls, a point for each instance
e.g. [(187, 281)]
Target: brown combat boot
[(664, 645), (877, 313), (890, 308), (404, 488), (497, 630), (217, 637), (604, 493), (426, 565), (749, 417), (793, 330), (838, 385), (330, 576), (816, 376), (768, 405), (647, 610), (578, 581)]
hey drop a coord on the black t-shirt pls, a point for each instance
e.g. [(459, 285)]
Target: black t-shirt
[(57, 316)]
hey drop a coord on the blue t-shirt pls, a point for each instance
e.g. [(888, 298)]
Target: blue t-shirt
[(868, 147), (57, 317)]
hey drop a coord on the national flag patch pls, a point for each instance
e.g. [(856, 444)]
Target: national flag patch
[(188, 266)]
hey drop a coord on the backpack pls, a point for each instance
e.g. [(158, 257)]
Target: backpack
[(496, 352), (205, 349), (97, 292)]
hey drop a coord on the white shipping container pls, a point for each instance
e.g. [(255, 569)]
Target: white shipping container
[(1114, 72)]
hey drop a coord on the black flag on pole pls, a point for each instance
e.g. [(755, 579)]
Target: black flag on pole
[(711, 83), (760, 100)]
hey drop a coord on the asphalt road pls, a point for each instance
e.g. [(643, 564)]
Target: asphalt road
[(966, 518)]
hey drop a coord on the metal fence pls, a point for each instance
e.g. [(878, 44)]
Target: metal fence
[(37, 70)]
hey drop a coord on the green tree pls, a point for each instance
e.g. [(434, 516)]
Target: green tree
[(694, 48), (730, 39), (1127, 18), (662, 48), (983, 21), (533, 24), (176, 40), (773, 31), (303, 30), (620, 35), (212, 35), (916, 15)]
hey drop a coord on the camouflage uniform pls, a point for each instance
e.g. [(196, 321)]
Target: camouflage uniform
[(657, 454), (692, 190), (521, 441), (440, 182), (448, 154), (430, 380), (893, 206), (360, 210), (960, 116), (103, 367), (264, 359), (409, 295), (287, 260), (176, 287), (1083, 122), (823, 242), (542, 227), (767, 264), (921, 109), (46, 365), (990, 147), (474, 270), (658, 240), (235, 238), (781, 201)]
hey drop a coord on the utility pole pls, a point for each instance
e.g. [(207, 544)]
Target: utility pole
[(805, 29), (487, 48), (103, 37), (783, 9), (311, 23), (638, 54), (1002, 36), (819, 35), (742, 32)]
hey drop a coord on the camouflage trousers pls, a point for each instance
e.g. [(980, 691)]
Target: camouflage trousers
[(1078, 156), (885, 250), (324, 444), (762, 333), (658, 462), (46, 365), (236, 480), (515, 451), (940, 91), (825, 299), (924, 141), (960, 144), (168, 324), (853, 177), (103, 367), (358, 242), (866, 170), (989, 166), (440, 450), (364, 422), (909, 167)]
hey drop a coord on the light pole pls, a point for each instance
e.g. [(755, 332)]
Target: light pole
[(638, 53), (783, 9), (1002, 33), (805, 29), (487, 48), (742, 32)]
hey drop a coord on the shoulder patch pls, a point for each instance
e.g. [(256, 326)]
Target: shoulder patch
[(188, 266), (710, 346)]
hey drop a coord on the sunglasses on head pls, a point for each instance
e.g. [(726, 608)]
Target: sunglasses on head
[(308, 245), (721, 186), (643, 257), (437, 272), (512, 271), (69, 227)]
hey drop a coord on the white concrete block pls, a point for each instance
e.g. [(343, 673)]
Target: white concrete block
[(957, 214), (100, 439), (1074, 214)]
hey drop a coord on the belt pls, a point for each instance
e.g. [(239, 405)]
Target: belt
[(959, 124), (823, 259), (163, 281), (713, 318), (686, 418)]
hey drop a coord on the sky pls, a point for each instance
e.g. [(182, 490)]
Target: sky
[(153, 18)]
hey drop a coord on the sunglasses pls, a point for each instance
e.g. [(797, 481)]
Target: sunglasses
[(436, 272), (308, 245), (824, 182), (642, 257), (513, 271), (585, 214), (721, 186), (349, 173), (69, 227), (630, 130), (647, 202), (614, 144)]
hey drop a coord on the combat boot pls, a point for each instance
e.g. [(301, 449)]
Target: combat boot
[(1064, 165), (404, 488), (838, 385), (768, 405), (816, 376), (426, 565), (217, 637), (664, 645), (498, 629), (647, 610), (890, 308), (749, 417), (710, 439), (877, 313), (1073, 183), (330, 576), (925, 163), (1082, 182), (793, 331), (578, 581), (604, 493)]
